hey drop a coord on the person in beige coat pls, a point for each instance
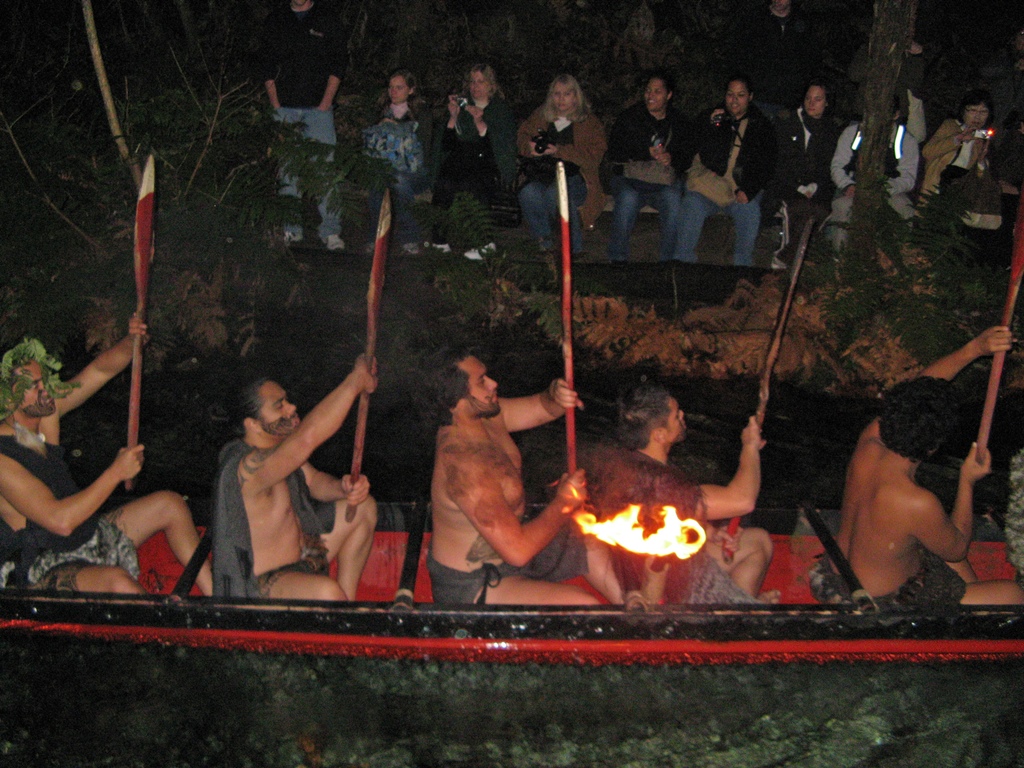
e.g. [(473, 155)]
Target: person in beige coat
[(959, 144), (562, 129)]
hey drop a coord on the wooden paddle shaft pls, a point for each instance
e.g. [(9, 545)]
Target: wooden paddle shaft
[(563, 213)]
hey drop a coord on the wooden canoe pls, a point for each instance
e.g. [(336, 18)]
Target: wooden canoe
[(377, 626)]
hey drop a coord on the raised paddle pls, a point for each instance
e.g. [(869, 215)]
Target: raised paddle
[(144, 213), (563, 213), (1016, 272), (380, 256), (773, 354)]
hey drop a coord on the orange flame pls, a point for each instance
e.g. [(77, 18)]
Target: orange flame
[(682, 538)]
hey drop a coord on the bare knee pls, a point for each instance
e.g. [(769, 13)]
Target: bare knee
[(170, 506), (366, 513), (760, 541)]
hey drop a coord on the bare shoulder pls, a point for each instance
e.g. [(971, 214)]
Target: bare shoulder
[(250, 465)]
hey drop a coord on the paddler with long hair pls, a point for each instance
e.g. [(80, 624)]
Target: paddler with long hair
[(54, 535)]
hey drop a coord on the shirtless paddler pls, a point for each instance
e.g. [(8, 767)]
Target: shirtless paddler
[(903, 547), (482, 550)]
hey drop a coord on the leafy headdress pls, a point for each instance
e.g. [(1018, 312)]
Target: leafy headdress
[(14, 383)]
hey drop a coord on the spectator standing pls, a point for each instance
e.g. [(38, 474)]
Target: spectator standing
[(301, 65), (402, 137), (780, 53), (477, 152), (1005, 78), (650, 148)]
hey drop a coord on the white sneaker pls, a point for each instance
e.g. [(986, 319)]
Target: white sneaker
[(779, 264), (290, 238), (477, 254), (411, 249), (334, 243), (443, 247)]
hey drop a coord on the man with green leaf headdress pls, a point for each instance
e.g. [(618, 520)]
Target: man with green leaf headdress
[(54, 535)]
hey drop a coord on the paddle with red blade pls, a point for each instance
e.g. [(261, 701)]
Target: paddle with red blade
[(563, 213), (773, 354), (145, 210), (1016, 272), (380, 255)]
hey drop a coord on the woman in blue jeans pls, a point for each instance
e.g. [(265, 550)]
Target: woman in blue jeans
[(403, 134), (735, 161), (650, 148), (561, 129)]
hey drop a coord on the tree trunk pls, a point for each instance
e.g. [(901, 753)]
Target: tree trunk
[(890, 37)]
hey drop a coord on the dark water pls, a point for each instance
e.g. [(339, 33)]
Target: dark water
[(71, 703)]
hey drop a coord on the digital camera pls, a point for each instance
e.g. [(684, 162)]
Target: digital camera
[(462, 101), (541, 142), (985, 133), (722, 118)]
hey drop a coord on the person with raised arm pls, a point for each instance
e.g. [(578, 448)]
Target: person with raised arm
[(71, 538), (904, 548), (483, 549), (279, 521)]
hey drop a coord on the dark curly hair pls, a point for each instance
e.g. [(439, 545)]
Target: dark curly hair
[(641, 410), (917, 416), (446, 383)]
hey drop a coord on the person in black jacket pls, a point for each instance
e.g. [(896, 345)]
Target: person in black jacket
[(779, 51), (735, 161), (803, 178), (650, 148), (300, 65)]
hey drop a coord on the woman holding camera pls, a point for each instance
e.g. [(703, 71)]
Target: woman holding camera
[(734, 163), (477, 151), (403, 137), (561, 129), (959, 144), (650, 148)]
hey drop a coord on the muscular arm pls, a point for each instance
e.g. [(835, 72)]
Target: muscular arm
[(740, 495), (24, 494), (994, 339), (950, 537), (528, 412), (321, 422), (102, 369), (473, 482), (327, 487)]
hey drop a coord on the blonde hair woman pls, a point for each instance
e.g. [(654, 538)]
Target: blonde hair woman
[(562, 128)]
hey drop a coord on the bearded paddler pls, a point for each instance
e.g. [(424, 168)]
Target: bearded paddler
[(483, 549), (70, 538), (637, 471), (279, 521)]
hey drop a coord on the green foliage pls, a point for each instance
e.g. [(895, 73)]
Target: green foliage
[(465, 224), (923, 284)]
